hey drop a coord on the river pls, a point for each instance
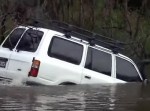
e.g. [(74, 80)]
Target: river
[(104, 97)]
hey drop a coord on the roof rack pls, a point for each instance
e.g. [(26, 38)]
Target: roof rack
[(71, 30)]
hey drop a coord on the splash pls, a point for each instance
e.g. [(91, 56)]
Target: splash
[(12, 82)]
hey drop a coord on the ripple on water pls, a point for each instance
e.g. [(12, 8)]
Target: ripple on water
[(119, 97)]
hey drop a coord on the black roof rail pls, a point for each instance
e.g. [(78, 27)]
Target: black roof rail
[(71, 30)]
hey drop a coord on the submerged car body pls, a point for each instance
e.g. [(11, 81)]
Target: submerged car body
[(49, 57)]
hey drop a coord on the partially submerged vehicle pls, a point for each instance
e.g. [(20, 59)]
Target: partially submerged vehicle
[(64, 54)]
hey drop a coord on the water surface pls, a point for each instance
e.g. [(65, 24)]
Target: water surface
[(105, 97)]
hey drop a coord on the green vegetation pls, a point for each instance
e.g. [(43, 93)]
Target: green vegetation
[(124, 20)]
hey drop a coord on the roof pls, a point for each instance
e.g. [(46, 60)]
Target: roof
[(70, 30)]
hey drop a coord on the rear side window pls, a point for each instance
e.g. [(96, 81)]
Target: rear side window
[(126, 71), (13, 38), (65, 50), (30, 40), (99, 61)]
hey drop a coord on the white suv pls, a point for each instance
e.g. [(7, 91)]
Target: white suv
[(52, 57)]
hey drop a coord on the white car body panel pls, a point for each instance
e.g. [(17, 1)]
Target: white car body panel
[(97, 78), (53, 71), (5, 53), (19, 65), (20, 62)]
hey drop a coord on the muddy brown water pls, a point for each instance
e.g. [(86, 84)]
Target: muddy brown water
[(104, 97)]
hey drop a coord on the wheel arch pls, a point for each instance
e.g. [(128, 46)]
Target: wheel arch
[(67, 83)]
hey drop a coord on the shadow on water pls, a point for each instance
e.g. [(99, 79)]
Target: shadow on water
[(105, 97)]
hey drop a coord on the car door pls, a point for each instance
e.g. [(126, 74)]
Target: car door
[(98, 67), (22, 56), (63, 63), (7, 48)]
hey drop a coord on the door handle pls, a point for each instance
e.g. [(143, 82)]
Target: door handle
[(19, 69), (87, 77)]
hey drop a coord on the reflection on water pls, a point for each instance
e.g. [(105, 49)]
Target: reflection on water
[(106, 97)]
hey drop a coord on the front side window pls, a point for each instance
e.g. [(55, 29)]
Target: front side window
[(65, 50), (30, 40), (126, 71), (99, 61), (13, 38)]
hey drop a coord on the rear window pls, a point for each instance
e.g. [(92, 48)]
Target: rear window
[(30, 40), (126, 70), (65, 50), (99, 61), (13, 38)]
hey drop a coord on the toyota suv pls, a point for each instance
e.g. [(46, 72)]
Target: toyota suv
[(50, 56)]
